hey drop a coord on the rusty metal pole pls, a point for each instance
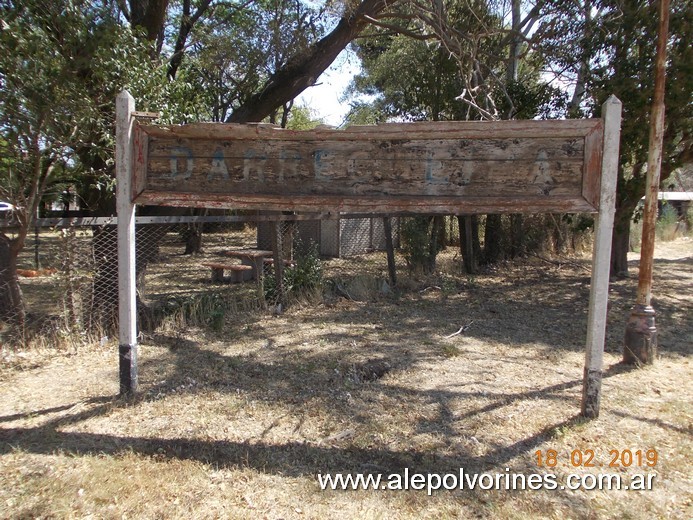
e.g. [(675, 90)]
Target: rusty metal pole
[(640, 342)]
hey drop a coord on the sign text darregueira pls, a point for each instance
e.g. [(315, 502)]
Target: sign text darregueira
[(461, 167)]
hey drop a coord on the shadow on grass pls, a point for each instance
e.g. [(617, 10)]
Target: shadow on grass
[(294, 458), (655, 422), (270, 379), (56, 409), (281, 372)]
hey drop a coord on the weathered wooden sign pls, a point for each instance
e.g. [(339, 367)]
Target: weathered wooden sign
[(450, 167), (509, 166)]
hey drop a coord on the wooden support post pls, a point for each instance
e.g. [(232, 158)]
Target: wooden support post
[(217, 274), (127, 304), (390, 250), (601, 255), (278, 254)]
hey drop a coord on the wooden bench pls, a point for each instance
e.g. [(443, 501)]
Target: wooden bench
[(237, 272)]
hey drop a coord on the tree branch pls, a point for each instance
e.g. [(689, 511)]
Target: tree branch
[(124, 9), (303, 70), (398, 29)]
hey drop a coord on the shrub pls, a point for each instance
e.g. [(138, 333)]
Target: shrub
[(667, 223), (419, 243), (304, 276)]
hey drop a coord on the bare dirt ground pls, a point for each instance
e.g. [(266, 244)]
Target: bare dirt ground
[(238, 423)]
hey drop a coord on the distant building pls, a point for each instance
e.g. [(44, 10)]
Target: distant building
[(337, 238), (679, 200)]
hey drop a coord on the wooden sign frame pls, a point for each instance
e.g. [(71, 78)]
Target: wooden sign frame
[(448, 168), (432, 168)]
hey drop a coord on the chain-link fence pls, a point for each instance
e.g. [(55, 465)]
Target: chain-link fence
[(189, 270), (196, 271)]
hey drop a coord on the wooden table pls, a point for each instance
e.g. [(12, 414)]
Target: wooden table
[(237, 272), (255, 258)]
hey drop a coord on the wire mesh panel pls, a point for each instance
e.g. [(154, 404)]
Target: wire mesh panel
[(187, 270)]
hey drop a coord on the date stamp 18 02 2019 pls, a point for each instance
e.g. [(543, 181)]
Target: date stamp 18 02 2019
[(589, 458)]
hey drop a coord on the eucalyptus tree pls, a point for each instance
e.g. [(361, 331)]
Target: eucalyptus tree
[(456, 60), (174, 26), (60, 63), (589, 50), (408, 78), (607, 47), (233, 55)]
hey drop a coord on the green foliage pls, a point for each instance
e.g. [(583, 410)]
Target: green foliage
[(304, 277), (615, 48), (61, 65), (302, 118), (363, 113), (460, 76), (233, 53), (415, 236), (531, 99), (408, 79), (667, 224), (579, 222), (210, 309)]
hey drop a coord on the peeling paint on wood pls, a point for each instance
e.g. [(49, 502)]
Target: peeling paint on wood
[(478, 167), (591, 393)]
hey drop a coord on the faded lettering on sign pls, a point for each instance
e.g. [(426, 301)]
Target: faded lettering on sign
[(466, 166), (181, 152), (509, 167)]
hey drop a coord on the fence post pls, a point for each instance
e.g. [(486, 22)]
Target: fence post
[(601, 259), (390, 250), (278, 254), (127, 303)]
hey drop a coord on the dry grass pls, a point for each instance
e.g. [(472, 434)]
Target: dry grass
[(237, 423)]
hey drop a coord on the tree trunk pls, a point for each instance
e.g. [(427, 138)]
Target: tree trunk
[(104, 303), (434, 244), (289, 232), (71, 286), (469, 242), (187, 22), (193, 239), (11, 299), (390, 250), (278, 255), (584, 58), (150, 15), (103, 311), (620, 243), (517, 238), (493, 239), (302, 71)]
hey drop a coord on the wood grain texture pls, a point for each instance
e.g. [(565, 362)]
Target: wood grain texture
[(127, 308), (371, 205), (139, 158), (601, 255), (591, 180), (510, 166)]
